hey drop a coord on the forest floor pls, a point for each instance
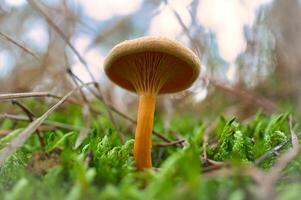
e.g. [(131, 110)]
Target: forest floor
[(66, 157)]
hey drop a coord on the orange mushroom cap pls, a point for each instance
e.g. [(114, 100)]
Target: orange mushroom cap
[(158, 64)]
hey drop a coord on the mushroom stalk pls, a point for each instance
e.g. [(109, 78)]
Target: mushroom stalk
[(143, 135)]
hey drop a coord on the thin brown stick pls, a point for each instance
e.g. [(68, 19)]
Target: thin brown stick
[(85, 112), (27, 95), (26, 133), (172, 143), (25, 49), (31, 117), (159, 135), (85, 130), (211, 168), (42, 129), (29, 114), (46, 122), (263, 102), (194, 42), (246, 95), (73, 77), (180, 137), (207, 132), (100, 97), (81, 59), (48, 94), (61, 33)]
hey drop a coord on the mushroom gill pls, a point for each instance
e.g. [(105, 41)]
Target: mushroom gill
[(147, 71)]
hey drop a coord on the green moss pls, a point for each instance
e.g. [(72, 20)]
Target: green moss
[(102, 167)]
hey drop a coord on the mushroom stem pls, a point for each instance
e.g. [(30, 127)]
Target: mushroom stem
[(143, 135)]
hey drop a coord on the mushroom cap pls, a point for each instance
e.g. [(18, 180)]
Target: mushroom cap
[(185, 69)]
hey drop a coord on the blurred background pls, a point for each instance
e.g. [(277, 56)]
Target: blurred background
[(250, 50)]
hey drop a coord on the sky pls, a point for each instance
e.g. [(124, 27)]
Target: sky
[(225, 18)]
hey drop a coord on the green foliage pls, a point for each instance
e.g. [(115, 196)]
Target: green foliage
[(103, 168), (12, 170)]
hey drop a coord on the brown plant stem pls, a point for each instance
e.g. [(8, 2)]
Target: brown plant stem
[(32, 127), (172, 143), (48, 94), (31, 117), (50, 124)]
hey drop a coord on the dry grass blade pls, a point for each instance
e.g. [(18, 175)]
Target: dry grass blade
[(4, 97), (26, 95), (246, 95), (48, 123), (100, 97), (28, 112), (207, 132), (81, 59), (172, 143), (265, 103), (159, 135), (31, 117), (118, 25), (195, 44), (25, 49), (26, 133), (79, 56), (85, 130), (48, 94), (62, 34)]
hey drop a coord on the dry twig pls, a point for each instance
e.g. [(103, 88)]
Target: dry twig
[(85, 130), (85, 111), (79, 56), (100, 97), (31, 117), (48, 123), (48, 94), (172, 143), (26, 133), (249, 96), (25, 49), (246, 95), (207, 132), (26, 95)]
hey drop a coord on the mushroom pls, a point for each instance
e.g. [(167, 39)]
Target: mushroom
[(150, 66)]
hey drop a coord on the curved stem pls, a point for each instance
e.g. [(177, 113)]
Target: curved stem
[(143, 135)]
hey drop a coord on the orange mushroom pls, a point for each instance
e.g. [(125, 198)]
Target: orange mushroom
[(150, 66)]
